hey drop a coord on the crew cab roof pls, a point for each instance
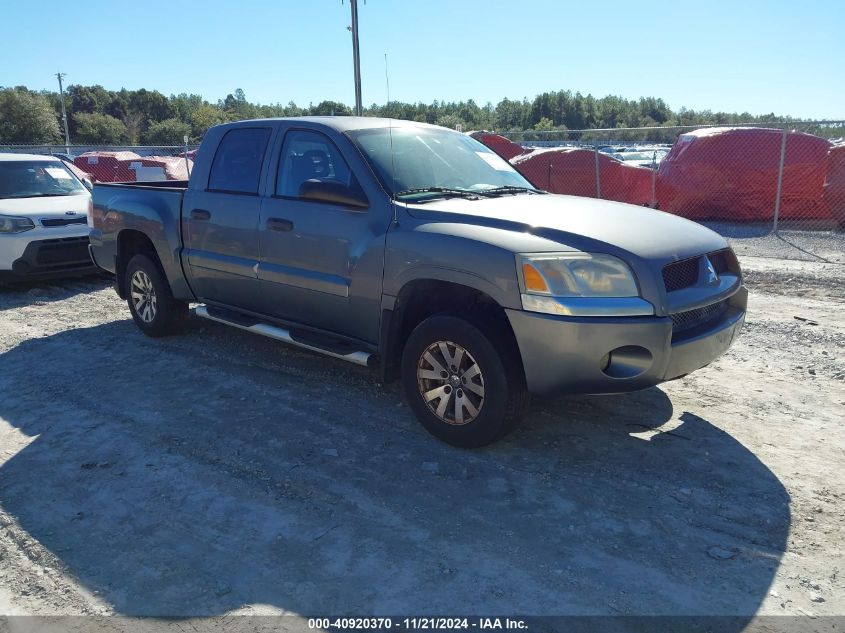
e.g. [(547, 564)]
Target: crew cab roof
[(338, 123)]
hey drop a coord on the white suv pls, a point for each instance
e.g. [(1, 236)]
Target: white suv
[(43, 219)]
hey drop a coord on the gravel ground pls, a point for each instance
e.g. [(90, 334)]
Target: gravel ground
[(757, 240), (217, 472)]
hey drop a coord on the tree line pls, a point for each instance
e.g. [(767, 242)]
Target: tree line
[(131, 117)]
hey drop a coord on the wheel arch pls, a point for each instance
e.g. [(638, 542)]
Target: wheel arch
[(421, 298), (131, 242)]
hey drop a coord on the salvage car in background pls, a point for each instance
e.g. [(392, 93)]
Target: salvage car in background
[(43, 219), (642, 158)]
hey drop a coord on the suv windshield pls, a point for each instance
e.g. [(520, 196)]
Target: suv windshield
[(435, 162), (32, 179)]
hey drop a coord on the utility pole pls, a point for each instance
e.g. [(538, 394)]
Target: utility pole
[(60, 76), (355, 58)]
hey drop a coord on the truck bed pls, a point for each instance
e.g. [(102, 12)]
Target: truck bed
[(152, 184)]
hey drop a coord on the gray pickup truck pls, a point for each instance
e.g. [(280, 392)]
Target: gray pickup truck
[(416, 251)]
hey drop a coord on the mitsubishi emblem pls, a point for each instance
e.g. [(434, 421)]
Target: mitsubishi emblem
[(712, 277)]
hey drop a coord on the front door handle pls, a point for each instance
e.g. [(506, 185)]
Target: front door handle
[(279, 224), (200, 214)]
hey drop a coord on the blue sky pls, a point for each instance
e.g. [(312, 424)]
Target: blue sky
[(759, 57)]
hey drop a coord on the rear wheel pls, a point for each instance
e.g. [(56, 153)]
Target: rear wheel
[(461, 382), (150, 300)]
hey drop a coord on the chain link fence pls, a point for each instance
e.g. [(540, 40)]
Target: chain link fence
[(776, 191), (130, 163)]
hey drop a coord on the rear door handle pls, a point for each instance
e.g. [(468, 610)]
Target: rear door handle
[(279, 224), (201, 214)]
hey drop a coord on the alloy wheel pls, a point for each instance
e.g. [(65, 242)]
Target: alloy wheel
[(450, 382), (143, 296)]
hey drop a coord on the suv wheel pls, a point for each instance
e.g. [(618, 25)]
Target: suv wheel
[(151, 303), (463, 388)]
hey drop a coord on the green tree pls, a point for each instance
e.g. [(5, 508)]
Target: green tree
[(167, 132), (87, 98), (150, 104), (451, 121), (26, 117), (329, 108), (102, 129), (118, 104), (134, 123), (204, 117), (184, 105)]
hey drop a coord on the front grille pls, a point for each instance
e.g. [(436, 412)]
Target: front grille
[(62, 251), (63, 221), (724, 261), (683, 321), (682, 274)]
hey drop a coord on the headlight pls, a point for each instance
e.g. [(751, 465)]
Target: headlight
[(12, 224), (579, 284)]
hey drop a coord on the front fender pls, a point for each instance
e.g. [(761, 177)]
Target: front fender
[(417, 255)]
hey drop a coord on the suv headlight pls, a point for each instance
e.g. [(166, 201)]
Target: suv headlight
[(579, 284), (13, 224)]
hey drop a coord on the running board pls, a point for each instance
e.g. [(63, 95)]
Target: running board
[(281, 334)]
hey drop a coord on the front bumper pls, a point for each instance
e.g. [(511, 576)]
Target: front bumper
[(612, 355), (51, 257)]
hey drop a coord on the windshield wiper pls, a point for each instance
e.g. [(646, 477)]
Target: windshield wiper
[(497, 191), (445, 191)]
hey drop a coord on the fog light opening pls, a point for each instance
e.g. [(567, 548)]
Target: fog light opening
[(628, 361)]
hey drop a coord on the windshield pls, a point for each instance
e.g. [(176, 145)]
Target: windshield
[(432, 162), (31, 179)]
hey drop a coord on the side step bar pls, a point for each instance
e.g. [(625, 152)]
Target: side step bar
[(281, 334)]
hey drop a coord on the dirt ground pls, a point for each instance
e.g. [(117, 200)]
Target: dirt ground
[(217, 472)]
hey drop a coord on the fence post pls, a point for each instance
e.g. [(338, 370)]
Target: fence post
[(187, 165), (598, 173), (653, 186), (780, 180)]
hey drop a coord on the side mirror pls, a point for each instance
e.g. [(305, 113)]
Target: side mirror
[(333, 192), (88, 184)]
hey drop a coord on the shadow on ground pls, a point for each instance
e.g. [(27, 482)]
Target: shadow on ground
[(201, 473)]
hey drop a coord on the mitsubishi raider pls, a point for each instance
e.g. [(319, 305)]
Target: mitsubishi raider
[(416, 251)]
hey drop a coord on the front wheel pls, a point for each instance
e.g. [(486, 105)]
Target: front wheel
[(462, 384), (150, 300)]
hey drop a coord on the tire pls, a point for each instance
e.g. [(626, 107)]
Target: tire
[(479, 402), (153, 308)]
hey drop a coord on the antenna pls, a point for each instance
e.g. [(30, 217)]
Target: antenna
[(390, 132)]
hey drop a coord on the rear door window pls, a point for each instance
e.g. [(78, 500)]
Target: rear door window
[(237, 163)]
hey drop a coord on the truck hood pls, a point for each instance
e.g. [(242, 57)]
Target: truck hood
[(45, 207), (578, 223)]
